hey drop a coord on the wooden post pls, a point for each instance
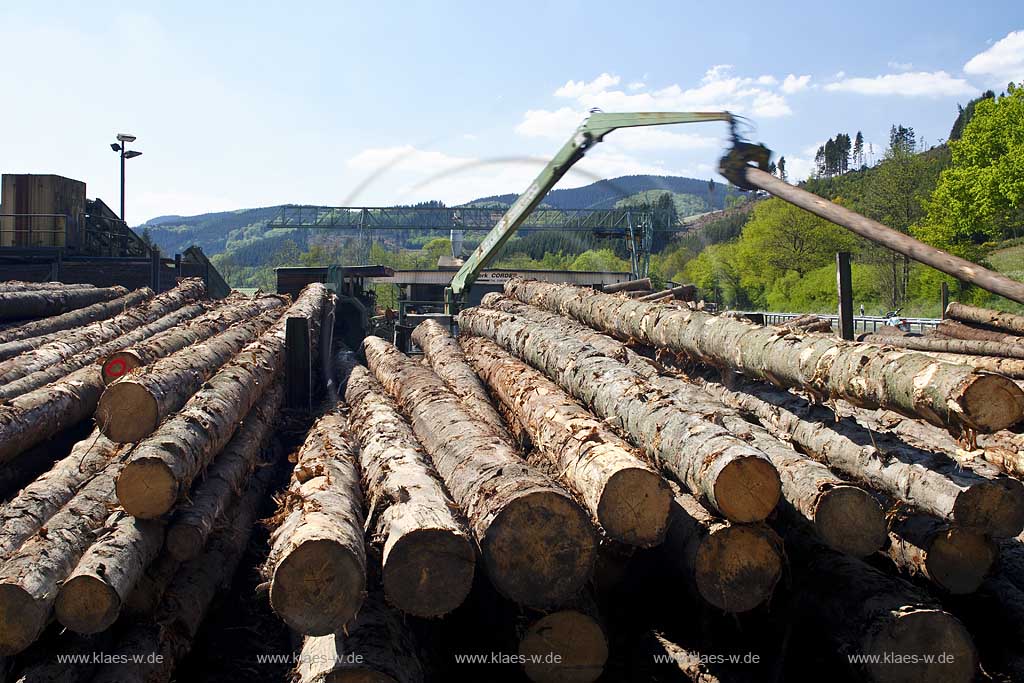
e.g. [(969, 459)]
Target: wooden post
[(844, 284), (298, 363), (944, 290), (154, 269)]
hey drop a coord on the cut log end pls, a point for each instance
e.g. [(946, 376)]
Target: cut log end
[(747, 489), (318, 586), (127, 412), (997, 506), (22, 619), (147, 488), (540, 549), (738, 566), (929, 633), (118, 365), (356, 675), (184, 542), (992, 402), (429, 572), (565, 647), (634, 507), (850, 520), (86, 605), (959, 560)]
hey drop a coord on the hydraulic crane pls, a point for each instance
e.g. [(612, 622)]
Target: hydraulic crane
[(590, 132)]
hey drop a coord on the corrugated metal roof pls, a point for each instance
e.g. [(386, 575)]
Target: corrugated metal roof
[(443, 277)]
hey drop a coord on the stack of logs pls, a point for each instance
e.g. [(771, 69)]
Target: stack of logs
[(565, 423), (126, 540)]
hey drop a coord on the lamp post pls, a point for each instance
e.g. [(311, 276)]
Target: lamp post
[(121, 146)]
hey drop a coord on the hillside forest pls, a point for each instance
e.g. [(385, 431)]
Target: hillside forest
[(964, 195)]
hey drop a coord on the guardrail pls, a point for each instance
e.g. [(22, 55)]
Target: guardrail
[(861, 324)]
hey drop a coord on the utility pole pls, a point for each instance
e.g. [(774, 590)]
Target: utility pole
[(121, 146)]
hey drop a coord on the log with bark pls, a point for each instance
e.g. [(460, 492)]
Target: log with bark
[(683, 292), (566, 645), (161, 469), (233, 309), (195, 519), (317, 563), (58, 371), (428, 556), (846, 517), (537, 544), (734, 567), (900, 633), (30, 577), (956, 330), (959, 346), (69, 345), (23, 286), (150, 587), (733, 477), (448, 361), (1005, 322), (131, 408), (91, 597), (978, 497), (953, 558), (25, 514), (945, 394), (628, 286), (1012, 368), (623, 494), (187, 598), (68, 321), (377, 647), (41, 303)]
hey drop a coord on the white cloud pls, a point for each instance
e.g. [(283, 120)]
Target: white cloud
[(798, 168), (404, 158), (767, 80), (901, 66), (1001, 63), (582, 88), (911, 84), (558, 124), (793, 83), (636, 139), (637, 85)]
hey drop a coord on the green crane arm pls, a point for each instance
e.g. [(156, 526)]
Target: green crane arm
[(590, 132)]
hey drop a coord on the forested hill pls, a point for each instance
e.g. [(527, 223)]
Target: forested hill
[(604, 194), (245, 230)]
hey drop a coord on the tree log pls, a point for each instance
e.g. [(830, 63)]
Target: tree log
[(844, 516), (54, 372), (428, 557), (43, 331), (90, 599), (233, 309), (378, 647), (95, 334), (977, 498), (1007, 322), (29, 578), (958, 346), (317, 562), (133, 407), (188, 596), (913, 384), (734, 478), (448, 361), (684, 292), (161, 468), (144, 599), (194, 520), (22, 286), (622, 492), (734, 567), (628, 286), (39, 501), (955, 330), (565, 646), (953, 558), (42, 303), (537, 544), (871, 614)]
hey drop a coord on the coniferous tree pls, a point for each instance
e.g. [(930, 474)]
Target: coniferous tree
[(782, 169), (858, 150)]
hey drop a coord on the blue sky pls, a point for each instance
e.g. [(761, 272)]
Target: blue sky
[(383, 102)]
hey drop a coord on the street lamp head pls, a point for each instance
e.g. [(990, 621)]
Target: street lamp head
[(114, 146), (131, 154), (125, 137)]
